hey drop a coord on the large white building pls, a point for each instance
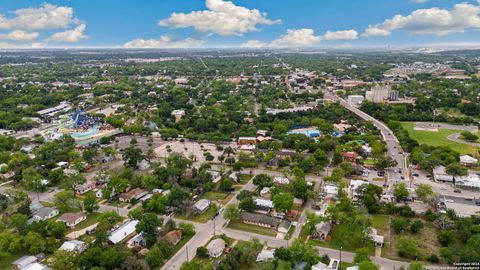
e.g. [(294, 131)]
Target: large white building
[(378, 94), (355, 99)]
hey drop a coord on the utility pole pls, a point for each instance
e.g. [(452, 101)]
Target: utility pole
[(341, 253), (186, 250)]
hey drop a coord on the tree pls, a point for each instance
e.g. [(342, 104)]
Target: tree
[(416, 226), (369, 195), (89, 154), (368, 265), (33, 180), (231, 213), (34, 242), (400, 191), (424, 192), (383, 162), (282, 202), (416, 266), (202, 252), (445, 238), (196, 265), (469, 136), (455, 169), (90, 203), (362, 254), (400, 225), (247, 204), (64, 201), (148, 225), (408, 248), (262, 180), (132, 156), (62, 259)]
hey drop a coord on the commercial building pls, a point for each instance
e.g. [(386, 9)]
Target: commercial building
[(378, 94)]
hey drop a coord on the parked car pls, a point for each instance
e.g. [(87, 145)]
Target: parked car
[(415, 174), (457, 190)]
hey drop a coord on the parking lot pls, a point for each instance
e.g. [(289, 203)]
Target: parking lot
[(190, 149)]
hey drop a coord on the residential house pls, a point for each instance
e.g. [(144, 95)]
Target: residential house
[(178, 114), (201, 206), (286, 153), (266, 255), (265, 192), (263, 205), (247, 141), (322, 230), (23, 261), (45, 213), (135, 193), (72, 219), (330, 189), (216, 175), (350, 156), (281, 181), (377, 239), (354, 185), (215, 247), (36, 266), (137, 241), (298, 202), (284, 226), (440, 175), (259, 220), (74, 245), (84, 188), (123, 232), (173, 237), (291, 215), (468, 161)]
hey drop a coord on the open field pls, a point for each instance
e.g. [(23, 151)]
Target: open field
[(437, 138), (202, 218)]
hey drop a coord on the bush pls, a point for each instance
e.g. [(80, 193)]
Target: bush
[(446, 237), (408, 248), (433, 258), (416, 226), (400, 225), (202, 252)]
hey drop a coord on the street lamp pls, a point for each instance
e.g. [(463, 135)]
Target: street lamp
[(341, 247)]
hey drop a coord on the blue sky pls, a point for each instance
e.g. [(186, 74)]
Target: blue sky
[(248, 23)]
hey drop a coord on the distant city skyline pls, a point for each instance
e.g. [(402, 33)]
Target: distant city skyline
[(239, 23)]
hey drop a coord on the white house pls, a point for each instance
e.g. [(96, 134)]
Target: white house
[(266, 255), (123, 232), (201, 205), (45, 213), (281, 180), (74, 245), (467, 160), (215, 247), (72, 219), (440, 175)]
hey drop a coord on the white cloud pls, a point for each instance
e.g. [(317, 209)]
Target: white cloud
[(254, 44), (47, 16), (340, 35), (297, 38), (221, 17), (34, 45), (303, 38), (419, 1), (20, 35), (434, 20), (72, 35), (163, 42)]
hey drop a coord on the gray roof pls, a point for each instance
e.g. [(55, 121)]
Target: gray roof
[(259, 218), (45, 211), (323, 227), (202, 204), (24, 261)]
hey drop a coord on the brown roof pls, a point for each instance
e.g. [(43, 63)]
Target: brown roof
[(350, 154), (173, 237), (71, 217), (132, 193)]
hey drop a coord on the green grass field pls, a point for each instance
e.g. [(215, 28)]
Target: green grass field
[(438, 138), (202, 218)]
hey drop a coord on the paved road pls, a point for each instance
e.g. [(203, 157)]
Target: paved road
[(394, 149), (455, 137)]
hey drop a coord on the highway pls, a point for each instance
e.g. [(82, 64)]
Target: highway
[(394, 149)]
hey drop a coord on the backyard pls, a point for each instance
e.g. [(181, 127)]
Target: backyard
[(237, 225)]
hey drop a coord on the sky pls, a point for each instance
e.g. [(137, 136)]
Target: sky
[(238, 23)]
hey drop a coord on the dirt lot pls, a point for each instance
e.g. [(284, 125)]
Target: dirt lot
[(189, 149)]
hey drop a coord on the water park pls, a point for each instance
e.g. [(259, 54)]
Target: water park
[(84, 129)]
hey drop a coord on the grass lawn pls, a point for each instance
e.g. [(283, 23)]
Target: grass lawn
[(380, 221), (214, 195), (6, 262), (244, 178), (237, 225), (438, 138), (202, 218), (91, 219), (290, 232)]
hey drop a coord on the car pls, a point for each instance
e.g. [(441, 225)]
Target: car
[(51, 190), (415, 174), (400, 153), (429, 176), (221, 210), (399, 171), (477, 203), (401, 177), (215, 215), (457, 190), (381, 173)]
